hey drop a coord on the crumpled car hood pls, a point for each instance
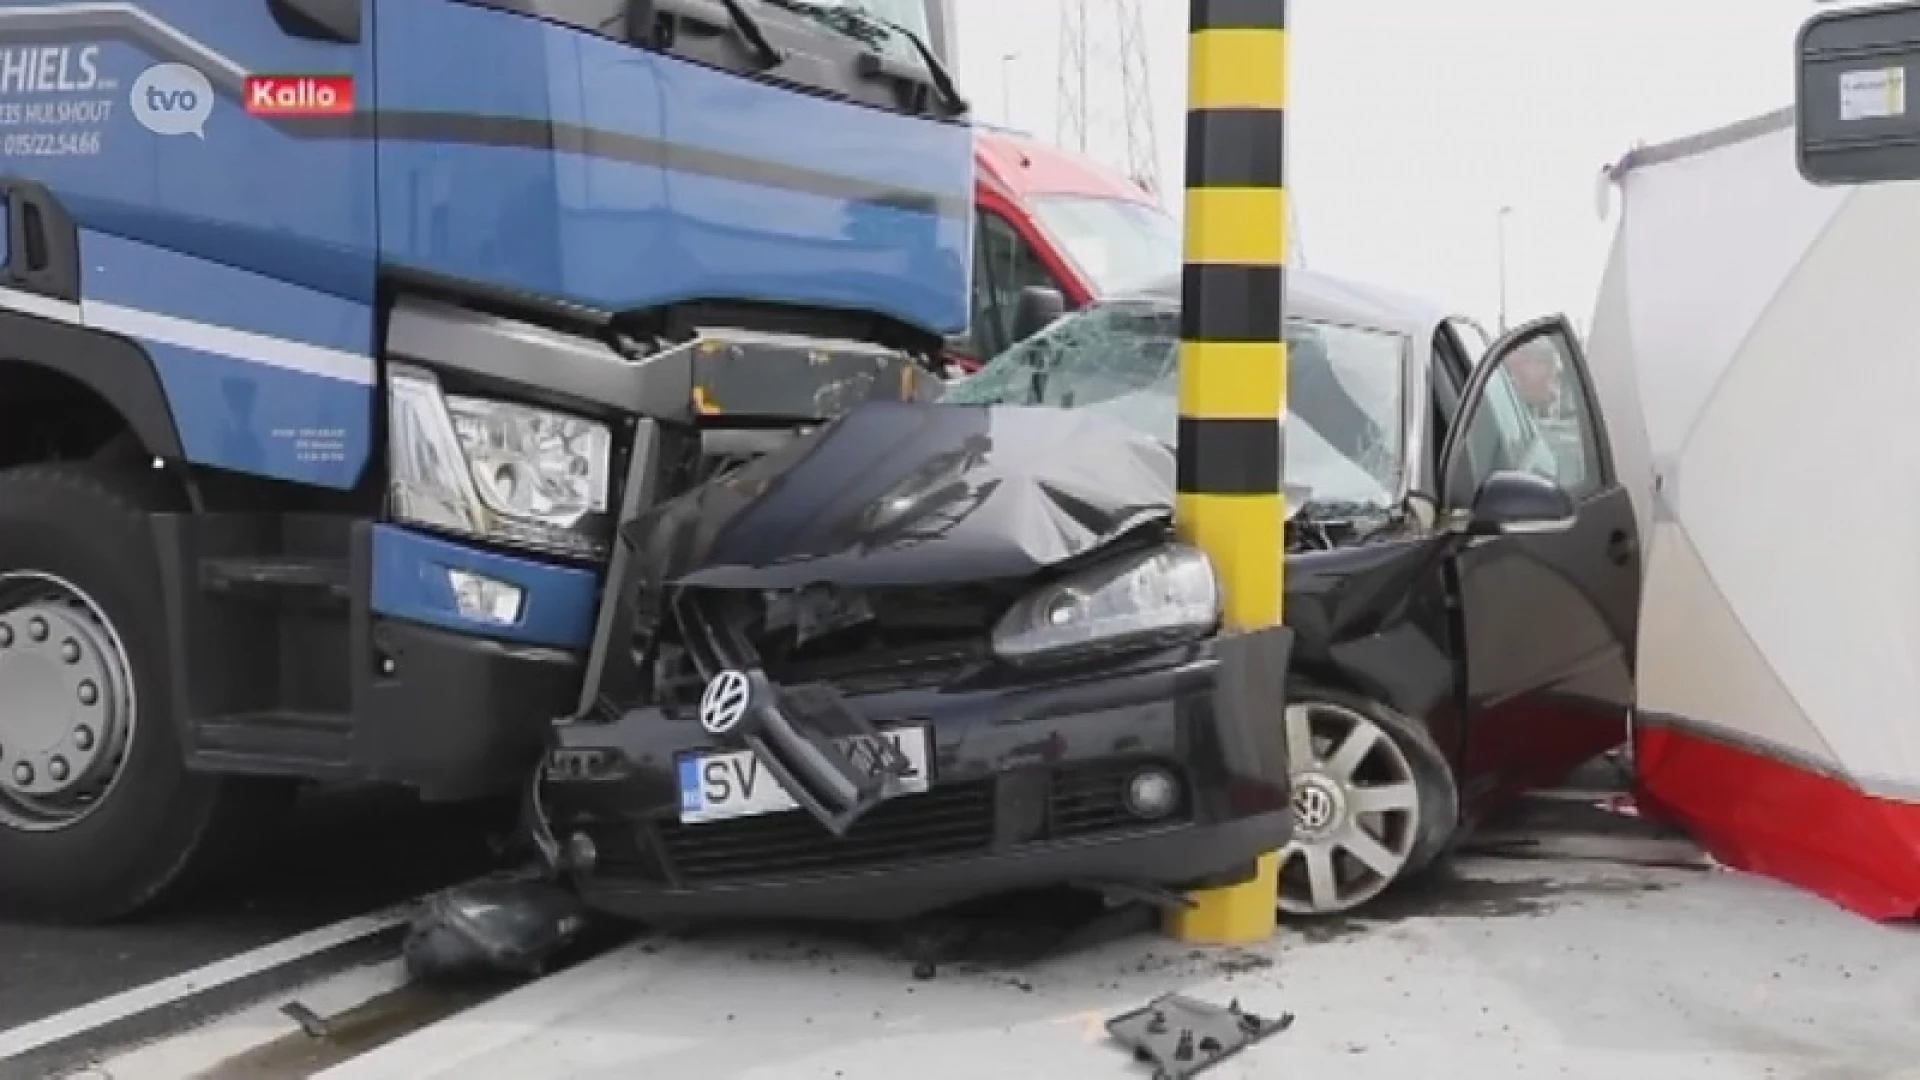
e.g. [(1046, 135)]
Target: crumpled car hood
[(914, 494)]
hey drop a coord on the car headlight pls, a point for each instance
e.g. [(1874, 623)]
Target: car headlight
[(512, 473), (1166, 594)]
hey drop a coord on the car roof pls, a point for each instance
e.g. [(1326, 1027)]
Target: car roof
[(1324, 298), (1029, 167)]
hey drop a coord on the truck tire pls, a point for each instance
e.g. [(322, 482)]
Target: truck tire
[(99, 817)]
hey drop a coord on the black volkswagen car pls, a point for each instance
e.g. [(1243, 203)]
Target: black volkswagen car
[(926, 652)]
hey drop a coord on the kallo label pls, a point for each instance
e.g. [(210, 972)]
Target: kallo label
[(299, 95)]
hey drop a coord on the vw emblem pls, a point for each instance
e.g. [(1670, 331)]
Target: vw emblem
[(724, 702), (1314, 808)]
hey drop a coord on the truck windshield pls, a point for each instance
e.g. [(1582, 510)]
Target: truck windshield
[(929, 20), (1120, 245), (1346, 425), (910, 15), (868, 21)]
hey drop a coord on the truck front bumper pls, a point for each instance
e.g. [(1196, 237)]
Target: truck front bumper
[(1028, 788), (454, 716), (350, 665)]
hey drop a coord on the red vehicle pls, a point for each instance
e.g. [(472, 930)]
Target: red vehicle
[(1058, 230)]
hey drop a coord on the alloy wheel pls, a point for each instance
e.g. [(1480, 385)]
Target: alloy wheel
[(1356, 810)]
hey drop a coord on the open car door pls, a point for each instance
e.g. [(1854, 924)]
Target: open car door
[(1549, 585)]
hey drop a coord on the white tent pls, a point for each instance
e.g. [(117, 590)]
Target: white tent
[(1757, 345)]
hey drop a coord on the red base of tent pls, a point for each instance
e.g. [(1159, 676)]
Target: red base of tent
[(1762, 815)]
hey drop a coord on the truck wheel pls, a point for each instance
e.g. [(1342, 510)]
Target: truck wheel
[(99, 817), (1374, 802)]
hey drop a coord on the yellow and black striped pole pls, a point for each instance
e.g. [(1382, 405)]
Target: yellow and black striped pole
[(1233, 358)]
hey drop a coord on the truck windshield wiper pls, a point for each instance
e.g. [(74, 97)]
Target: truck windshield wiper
[(722, 14), (943, 83)]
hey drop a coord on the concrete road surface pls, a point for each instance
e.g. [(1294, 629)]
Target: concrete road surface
[(345, 854), (1522, 968), (1571, 943)]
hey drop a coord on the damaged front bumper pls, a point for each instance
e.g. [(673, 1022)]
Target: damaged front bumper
[(1165, 771)]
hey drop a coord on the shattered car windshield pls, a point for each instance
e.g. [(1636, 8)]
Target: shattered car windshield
[(1345, 422)]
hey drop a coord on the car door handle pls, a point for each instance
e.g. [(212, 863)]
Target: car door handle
[(1621, 546)]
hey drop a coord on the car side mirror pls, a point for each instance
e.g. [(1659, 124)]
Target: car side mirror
[(1036, 310), (1511, 502)]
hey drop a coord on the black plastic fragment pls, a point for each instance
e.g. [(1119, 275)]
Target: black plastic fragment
[(505, 926), (1180, 1036)]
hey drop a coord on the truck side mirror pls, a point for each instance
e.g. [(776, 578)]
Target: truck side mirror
[(1037, 309)]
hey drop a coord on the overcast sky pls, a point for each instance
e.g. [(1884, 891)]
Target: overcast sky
[(1412, 122)]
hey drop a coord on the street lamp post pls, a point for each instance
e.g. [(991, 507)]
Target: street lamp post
[(1500, 221)]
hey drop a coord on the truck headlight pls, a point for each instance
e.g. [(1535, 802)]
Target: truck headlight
[(1162, 595), (511, 473)]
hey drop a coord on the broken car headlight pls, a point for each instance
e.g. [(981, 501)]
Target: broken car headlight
[(506, 472), (1162, 595)]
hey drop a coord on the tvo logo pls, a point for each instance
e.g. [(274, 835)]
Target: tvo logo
[(172, 99)]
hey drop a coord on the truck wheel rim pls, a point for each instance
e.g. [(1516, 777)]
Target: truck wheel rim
[(1356, 810), (67, 706)]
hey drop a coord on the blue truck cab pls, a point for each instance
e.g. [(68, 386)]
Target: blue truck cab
[(324, 326)]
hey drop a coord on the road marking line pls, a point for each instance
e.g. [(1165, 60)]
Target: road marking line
[(449, 1047), (193, 1052), (78, 1021)]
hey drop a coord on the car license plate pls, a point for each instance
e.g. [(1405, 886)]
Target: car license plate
[(715, 787)]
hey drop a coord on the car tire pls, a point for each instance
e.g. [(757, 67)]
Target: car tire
[(1375, 802), (99, 816)]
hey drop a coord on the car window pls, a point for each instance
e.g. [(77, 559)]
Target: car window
[(1535, 416), (1547, 383), (1121, 245), (1471, 337), (1003, 265)]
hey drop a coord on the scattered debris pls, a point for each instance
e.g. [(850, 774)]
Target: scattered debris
[(1240, 962), (311, 1022), (1114, 924), (1121, 893), (498, 926), (1018, 930), (1181, 1036)]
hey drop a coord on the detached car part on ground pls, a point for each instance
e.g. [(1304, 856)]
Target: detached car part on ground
[(984, 604)]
